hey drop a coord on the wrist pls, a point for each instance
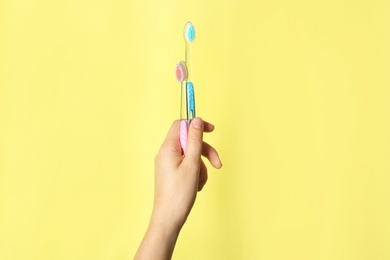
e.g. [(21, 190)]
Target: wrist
[(164, 232), (165, 225), (159, 241)]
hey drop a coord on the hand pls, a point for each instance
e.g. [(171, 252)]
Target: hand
[(178, 178), (177, 181)]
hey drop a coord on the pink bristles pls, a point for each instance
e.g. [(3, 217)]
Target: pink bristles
[(181, 72)]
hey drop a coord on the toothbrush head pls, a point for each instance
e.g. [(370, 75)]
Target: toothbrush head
[(181, 72), (189, 32)]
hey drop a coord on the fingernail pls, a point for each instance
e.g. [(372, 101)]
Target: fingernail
[(197, 123), (219, 165)]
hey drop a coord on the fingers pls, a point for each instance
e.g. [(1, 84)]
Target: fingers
[(171, 142), (208, 128), (202, 175), (195, 141), (173, 132), (211, 154)]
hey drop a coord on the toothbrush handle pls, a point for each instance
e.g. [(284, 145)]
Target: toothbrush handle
[(183, 135), (190, 101)]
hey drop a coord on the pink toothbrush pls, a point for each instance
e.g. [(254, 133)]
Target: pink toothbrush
[(181, 76)]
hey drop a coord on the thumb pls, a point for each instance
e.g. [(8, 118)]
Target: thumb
[(195, 140)]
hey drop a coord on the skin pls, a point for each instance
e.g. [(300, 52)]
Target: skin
[(178, 178)]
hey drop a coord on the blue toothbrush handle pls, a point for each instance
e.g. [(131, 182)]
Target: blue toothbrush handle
[(190, 102)]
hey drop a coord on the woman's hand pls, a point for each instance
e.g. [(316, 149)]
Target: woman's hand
[(178, 178)]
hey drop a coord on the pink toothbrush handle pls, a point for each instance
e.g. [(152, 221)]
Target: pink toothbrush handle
[(183, 135)]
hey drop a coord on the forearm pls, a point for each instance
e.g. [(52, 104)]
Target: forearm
[(159, 241)]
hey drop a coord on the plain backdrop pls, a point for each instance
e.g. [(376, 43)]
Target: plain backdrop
[(299, 92)]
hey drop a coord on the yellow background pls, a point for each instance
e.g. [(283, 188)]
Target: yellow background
[(299, 92)]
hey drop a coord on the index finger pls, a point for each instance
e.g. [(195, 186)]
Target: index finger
[(172, 138)]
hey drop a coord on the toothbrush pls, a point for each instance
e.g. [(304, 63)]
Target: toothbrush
[(181, 76), (189, 36), (187, 94)]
